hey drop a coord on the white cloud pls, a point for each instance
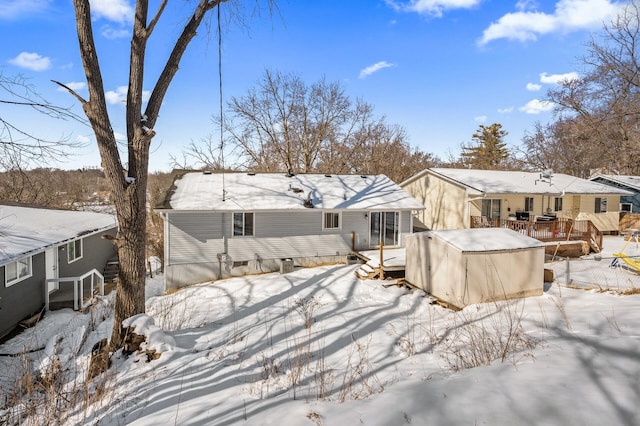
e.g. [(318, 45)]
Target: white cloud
[(31, 61), (120, 95), (536, 106), (431, 7), (82, 139), (526, 4), (558, 78), (116, 96), (113, 33), (505, 110), (374, 68), (569, 15), (112, 10), (532, 87), (480, 119), (74, 85), (11, 9)]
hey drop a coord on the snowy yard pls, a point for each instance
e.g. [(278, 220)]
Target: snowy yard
[(318, 346)]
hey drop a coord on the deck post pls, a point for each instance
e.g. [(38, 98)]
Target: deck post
[(46, 295), (75, 295), (381, 260), (81, 298)]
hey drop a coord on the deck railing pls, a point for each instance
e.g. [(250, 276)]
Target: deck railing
[(549, 230), (78, 287)]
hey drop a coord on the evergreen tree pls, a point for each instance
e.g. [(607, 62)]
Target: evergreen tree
[(487, 150)]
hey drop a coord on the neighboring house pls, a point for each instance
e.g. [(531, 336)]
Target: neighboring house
[(628, 203), (41, 248), (222, 224), (454, 198)]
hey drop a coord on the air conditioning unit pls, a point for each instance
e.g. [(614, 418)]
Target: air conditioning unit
[(286, 266)]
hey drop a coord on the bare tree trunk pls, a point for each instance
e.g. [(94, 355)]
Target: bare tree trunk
[(129, 187)]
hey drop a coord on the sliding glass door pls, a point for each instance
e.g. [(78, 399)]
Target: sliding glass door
[(385, 228)]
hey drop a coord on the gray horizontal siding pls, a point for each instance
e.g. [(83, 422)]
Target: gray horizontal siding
[(200, 237), (194, 237), (21, 299)]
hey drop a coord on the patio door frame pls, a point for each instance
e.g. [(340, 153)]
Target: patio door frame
[(380, 223)]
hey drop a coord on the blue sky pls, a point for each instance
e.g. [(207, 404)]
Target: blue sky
[(439, 68)]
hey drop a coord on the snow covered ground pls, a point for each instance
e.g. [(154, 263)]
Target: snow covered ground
[(318, 346)]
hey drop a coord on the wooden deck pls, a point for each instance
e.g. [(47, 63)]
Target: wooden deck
[(381, 263), (548, 231)]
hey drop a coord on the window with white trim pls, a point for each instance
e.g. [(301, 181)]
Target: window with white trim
[(17, 271), (601, 205), (242, 224), (558, 204), (74, 250), (528, 204), (331, 220), (626, 207)]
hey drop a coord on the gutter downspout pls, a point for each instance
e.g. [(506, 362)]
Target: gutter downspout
[(468, 208)]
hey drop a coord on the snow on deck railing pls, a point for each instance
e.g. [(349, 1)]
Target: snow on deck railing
[(78, 287)]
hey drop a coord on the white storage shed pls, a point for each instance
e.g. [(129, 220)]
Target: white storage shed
[(465, 266)]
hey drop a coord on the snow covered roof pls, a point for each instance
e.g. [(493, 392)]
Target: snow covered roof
[(486, 239), (25, 230), (515, 182), (279, 191), (624, 180)]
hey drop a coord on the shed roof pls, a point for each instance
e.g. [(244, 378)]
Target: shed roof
[(632, 182), (25, 230), (279, 191), (486, 239), (516, 182)]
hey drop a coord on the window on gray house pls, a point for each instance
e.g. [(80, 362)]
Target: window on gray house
[(242, 224), (331, 220), (17, 271), (74, 250)]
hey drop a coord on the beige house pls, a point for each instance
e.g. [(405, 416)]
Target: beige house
[(466, 198), (467, 266)]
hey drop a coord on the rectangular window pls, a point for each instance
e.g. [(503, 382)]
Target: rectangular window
[(17, 271), (491, 208), (331, 220), (558, 204), (74, 250), (242, 224), (626, 207), (528, 204), (601, 205)]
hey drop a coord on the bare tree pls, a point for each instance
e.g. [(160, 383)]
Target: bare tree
[(561, 146), (24, 144), (286, 125), (128, 185), (603, 105)]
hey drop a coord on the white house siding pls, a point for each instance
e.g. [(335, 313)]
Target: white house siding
[(605, 222), (444, 202)]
